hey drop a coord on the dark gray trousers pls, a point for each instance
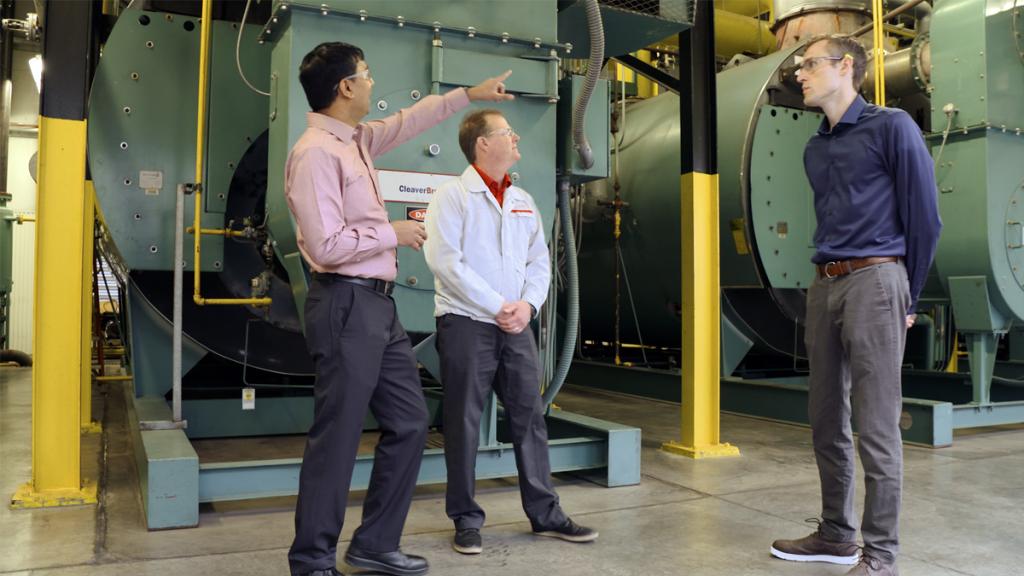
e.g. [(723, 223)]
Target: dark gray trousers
[(477, 357), (855, 336), (363, 360)]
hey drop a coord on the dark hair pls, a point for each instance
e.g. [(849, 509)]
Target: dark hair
[(473, 126), (840, 45), (323, 68)]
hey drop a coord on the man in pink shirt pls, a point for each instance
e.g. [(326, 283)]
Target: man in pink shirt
[(362, 354)]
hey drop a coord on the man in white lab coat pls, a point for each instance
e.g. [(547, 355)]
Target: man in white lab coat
[(485, 246)]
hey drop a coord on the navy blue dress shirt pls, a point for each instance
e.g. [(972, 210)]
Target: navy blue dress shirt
[(874, 190)]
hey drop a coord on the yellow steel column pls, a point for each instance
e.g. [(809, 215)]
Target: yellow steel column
[(57, 371), (89, 426), (57, 341), (701, 322), (699, 243)]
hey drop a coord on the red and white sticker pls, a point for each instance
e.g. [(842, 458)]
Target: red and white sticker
[(416, 213)]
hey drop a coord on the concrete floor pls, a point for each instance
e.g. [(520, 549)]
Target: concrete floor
[(962, 508)]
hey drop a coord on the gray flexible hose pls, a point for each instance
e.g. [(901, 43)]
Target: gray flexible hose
[(594, 65), (572, 307)]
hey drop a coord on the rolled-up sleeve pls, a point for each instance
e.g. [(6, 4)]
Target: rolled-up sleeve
[(314, 193), (914, 177), (381, 136), (445, 258)]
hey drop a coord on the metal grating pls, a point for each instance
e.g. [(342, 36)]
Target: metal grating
[(673, 10)]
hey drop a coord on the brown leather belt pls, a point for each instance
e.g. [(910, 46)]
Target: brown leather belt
[(838, 268)]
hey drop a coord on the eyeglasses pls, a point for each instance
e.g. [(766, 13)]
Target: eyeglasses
[(807, 65), (364, 74), (503, 132)]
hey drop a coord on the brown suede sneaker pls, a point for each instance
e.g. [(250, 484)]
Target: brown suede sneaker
[(871, 566), (814, 548)]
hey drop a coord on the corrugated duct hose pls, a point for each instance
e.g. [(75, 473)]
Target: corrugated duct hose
[(572, 315)]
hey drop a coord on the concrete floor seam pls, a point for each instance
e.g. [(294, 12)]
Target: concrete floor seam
[(100, 542)]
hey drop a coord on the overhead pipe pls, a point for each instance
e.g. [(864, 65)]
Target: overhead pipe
[(890, 15)]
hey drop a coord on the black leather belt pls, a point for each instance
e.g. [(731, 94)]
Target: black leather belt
[(382, 286)]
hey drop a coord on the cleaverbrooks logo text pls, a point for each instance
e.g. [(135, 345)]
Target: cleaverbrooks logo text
[(414, 190)]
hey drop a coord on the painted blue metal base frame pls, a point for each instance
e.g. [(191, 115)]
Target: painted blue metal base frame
[(173, 482), (934, 403)]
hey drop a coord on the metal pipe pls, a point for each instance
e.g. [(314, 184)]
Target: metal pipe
[(205, 26), (736, 34), (907, 71), (121, 378), (217, 232), (179, 260), (878, 62), (6, 89), (885, 18)]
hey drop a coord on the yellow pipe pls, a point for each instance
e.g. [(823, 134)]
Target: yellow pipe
[(22, 218), (644, 87), (735, 34), (205, 26), (217, 232), (204, 47), (900, 31), (753, 8), (879, 50), (119, 378)]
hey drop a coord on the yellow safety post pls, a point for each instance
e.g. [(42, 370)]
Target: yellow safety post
[(701, 368), (60, 253), (57, 341), (89, 426), (701, 321)]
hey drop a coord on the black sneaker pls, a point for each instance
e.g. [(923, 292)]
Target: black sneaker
[(468, 541), (570, 532)]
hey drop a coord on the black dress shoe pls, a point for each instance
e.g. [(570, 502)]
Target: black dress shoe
[(396, 563), (327, 572)]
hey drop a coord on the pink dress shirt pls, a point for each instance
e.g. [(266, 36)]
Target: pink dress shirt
[(332, 189)]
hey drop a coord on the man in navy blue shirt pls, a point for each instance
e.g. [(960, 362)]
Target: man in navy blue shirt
[(878, 224)]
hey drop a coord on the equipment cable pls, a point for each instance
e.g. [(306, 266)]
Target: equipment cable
[(238, 49)]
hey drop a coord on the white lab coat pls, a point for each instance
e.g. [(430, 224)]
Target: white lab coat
[(483, 255)]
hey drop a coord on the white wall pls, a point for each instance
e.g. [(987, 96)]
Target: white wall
[(24, 110)]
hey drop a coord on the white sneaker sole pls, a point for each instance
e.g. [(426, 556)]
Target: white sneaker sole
[(567, 538), (844, 560), (467, 549)]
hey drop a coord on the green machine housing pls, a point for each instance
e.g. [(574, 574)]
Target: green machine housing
[(767, 221), (142, 147)]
